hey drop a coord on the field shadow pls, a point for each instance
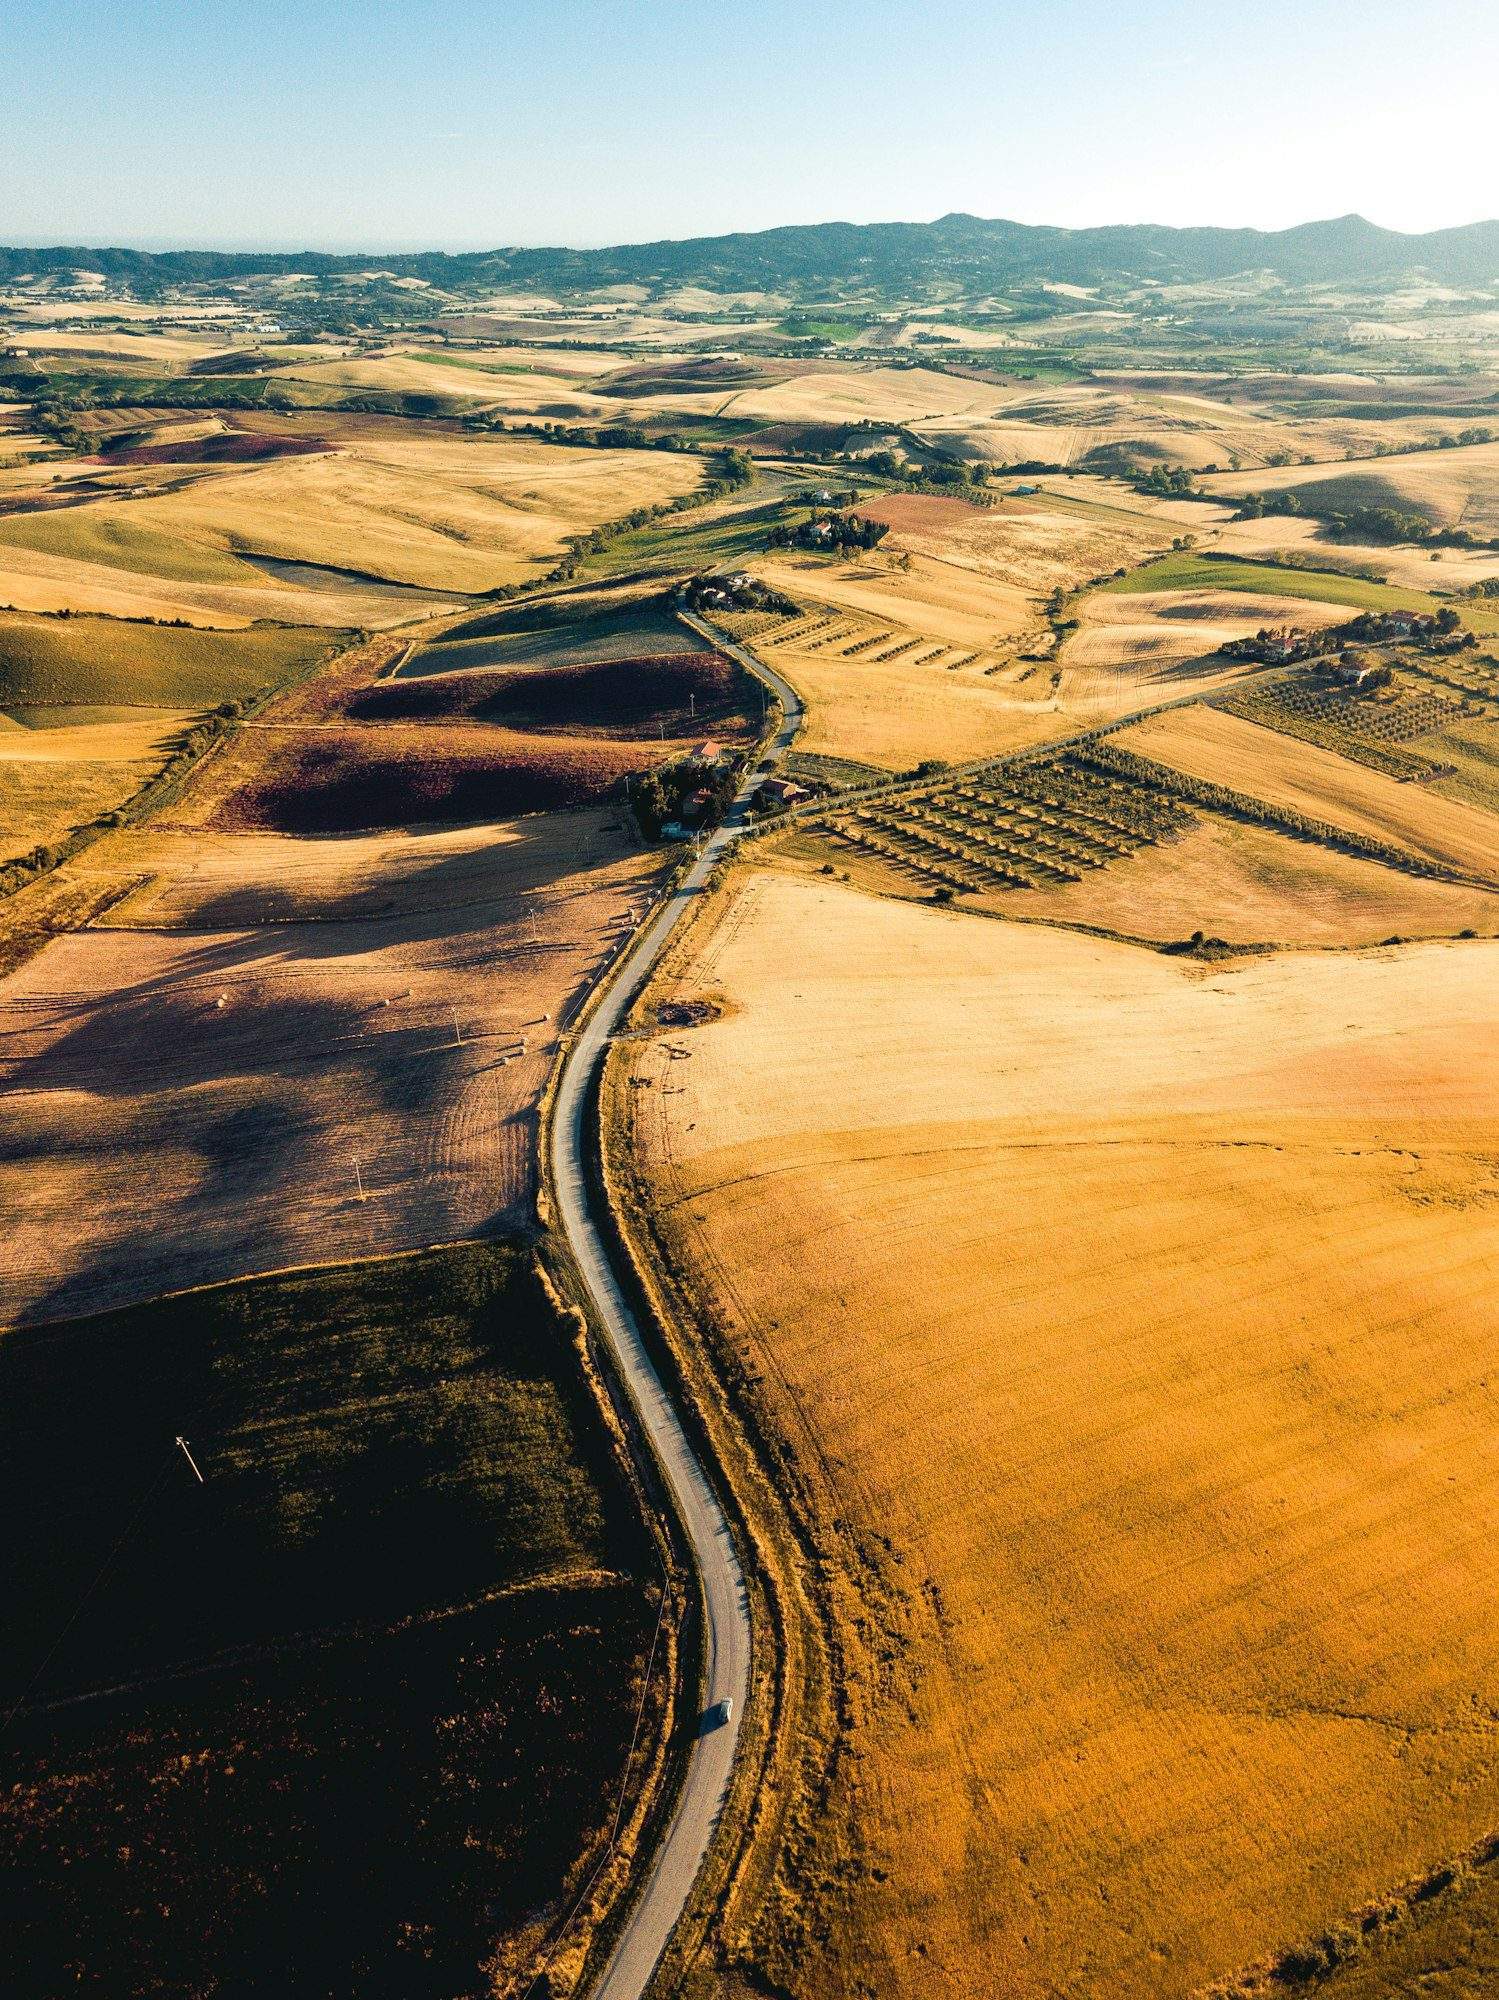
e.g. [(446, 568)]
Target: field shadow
[(252, 1055)]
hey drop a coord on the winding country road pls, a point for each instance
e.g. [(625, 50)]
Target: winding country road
[(674, 1867)]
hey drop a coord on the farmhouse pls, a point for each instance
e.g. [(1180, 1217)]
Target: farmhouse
[(775, 794)]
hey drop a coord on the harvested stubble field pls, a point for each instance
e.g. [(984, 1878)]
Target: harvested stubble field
[(82, 571), (932, 698), (1036, 541), (1129, 651), (68, 766), (543, 390), (351, 1715), (971, 581), (1133, 422), (1408, 568), (848, 394), (1451, 488), (188, 1090), (405, 504), (1226, 750), (1141, 1307)]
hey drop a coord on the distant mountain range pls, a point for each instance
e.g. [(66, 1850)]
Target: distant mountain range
[(888, 257)]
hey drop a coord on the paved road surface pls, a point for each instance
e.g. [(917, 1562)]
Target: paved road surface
[(674, 1866)]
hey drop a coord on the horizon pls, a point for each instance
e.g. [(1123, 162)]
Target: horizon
[(169, 246)]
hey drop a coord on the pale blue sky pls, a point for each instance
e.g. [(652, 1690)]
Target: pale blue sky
[(370, 124)]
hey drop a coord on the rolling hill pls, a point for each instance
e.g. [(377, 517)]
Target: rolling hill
[(970, 249)]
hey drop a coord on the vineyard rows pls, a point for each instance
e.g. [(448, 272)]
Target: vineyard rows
[(1027, 827), (1207, 797), (1366, 732), (1049, 820)]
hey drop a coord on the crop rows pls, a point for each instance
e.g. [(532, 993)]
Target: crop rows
[(842, 629), (1113, 762), (1043, 822), (1461, 672), (898, 652), (863, 645), (1031, 826), (793, 635), (1368, 733)]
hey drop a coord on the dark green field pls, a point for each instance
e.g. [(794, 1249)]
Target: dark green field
[(107, 661), (1192, 571), (349, 1715), (566, 630)]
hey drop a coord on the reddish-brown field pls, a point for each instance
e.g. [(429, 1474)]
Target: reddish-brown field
[(231, 448), (358, 778), (350, 752), (678, 693), (922, 512)]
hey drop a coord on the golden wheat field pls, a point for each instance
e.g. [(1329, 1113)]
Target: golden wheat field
[(841, 394), (1136, 648), (1128, 420), (39, 581), (1458, 487), (935, 643), (1227, 750), (388, 503), (1439, 570), (82, 763), (1145, 1308), (526, 391)]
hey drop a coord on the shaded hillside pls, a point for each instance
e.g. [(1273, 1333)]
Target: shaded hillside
[(885, 255)]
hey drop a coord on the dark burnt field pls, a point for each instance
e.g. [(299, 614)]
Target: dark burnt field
[(350, 1714), (229, 448)]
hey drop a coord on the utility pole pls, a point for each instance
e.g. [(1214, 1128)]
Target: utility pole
[(457, 1031), (191, 1460), (358, 1176)]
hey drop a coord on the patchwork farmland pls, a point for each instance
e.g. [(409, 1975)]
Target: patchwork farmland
[(1050, 1164)]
